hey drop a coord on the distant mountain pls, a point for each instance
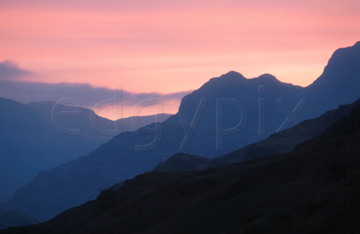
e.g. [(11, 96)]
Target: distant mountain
[(29, 144), (225, 114), (31, 139), (14, 218), (313, 189), (278, 143), (89, 123)]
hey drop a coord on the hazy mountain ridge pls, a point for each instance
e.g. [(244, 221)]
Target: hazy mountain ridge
[(129, 154), (87, 120), (32, 140), (29, 144), (313, 189)]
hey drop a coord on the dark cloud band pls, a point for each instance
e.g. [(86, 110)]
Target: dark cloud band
[(84, 94)]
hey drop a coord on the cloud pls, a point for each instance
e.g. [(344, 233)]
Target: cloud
[(12, 87), (82, 94), (10, 71)]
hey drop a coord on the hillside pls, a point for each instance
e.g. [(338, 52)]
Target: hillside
[(29, 144), (14, 218), (33, 140), (183, 162), (313, 189), (281, 142)]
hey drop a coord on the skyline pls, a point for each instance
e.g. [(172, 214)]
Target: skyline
[(165, 47)]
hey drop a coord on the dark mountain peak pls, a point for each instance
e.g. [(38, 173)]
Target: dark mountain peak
[(234, 79), (235, 86), (232, 75), (344, 55), (269, 77), (342, 72), (346, 51), (344, 58)]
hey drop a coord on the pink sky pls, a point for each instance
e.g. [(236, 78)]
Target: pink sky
[(171, 46)]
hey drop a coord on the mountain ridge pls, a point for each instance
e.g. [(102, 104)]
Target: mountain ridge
[(313, 189), (193, 130), (277, 143), (32, 139)]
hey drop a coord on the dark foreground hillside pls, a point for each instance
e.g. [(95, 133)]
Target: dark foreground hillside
[(313, 189)]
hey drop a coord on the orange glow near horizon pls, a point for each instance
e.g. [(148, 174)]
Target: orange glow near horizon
[(162, 46), (115, 112)]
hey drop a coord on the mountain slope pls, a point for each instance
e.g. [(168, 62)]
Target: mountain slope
[(89, 123), (13, 218), (183, 162), (278, 143), (133, 123), (222, 103), (339, 82), (313, 189), (131, 153), (31, 139), (28, 144)]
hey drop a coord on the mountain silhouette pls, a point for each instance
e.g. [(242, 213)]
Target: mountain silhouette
[(183, 162), (225, 114), (131, 153), (29, 144), (313, 189), (14, 218), (32, 140), (278, 143), (89, 123), (339, 82)]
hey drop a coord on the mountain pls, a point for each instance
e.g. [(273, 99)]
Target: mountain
[(313, 189), (37, 137), (225, 114), (133, 123), (339, 81), (29, 144), (183, 162), (89, 123), (131, 153), (14, 218), (278, 143)]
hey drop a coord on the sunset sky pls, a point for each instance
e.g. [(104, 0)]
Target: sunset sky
[(168, 48)]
